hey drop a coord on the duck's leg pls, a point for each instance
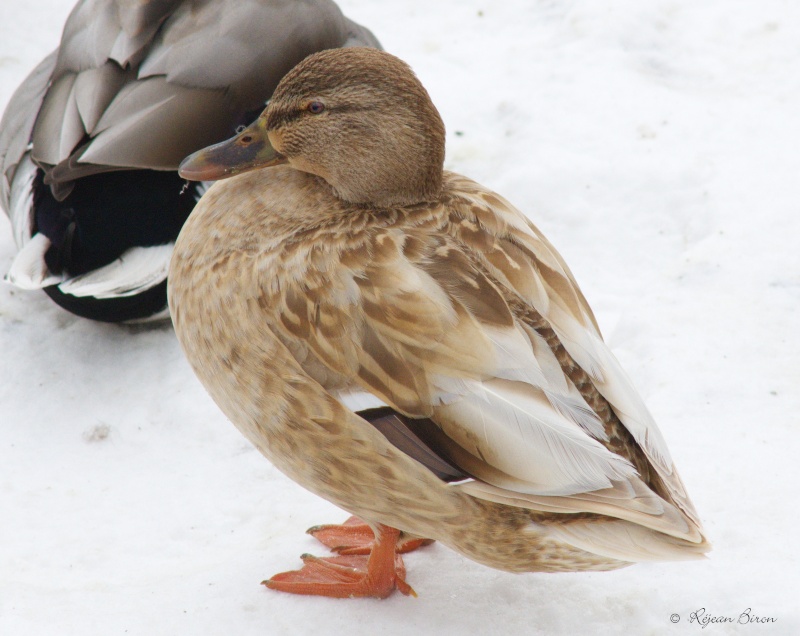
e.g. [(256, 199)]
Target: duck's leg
[(375, 575), (354, 536)]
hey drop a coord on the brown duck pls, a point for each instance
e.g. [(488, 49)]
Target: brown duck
[(403, 342)]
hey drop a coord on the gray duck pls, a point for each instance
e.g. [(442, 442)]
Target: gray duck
[(91, 140)]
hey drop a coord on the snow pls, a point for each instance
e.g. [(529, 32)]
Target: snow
[(656, 144)]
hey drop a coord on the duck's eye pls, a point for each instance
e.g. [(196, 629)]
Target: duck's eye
[(315, 108), (240, 128)]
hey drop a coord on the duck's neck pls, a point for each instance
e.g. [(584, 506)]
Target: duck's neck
[(389, 193)]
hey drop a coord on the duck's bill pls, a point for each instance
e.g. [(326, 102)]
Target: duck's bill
[(248, 150)]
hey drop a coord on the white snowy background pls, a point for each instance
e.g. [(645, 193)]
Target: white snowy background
[(657, 144)]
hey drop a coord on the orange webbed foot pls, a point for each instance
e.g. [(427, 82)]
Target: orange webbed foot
[(350, 576), (354, 536)]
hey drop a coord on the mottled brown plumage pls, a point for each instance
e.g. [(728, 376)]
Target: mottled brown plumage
[(349, 280)]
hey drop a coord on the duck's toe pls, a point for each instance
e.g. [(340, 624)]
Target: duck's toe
[(354, 536), (374, 574)]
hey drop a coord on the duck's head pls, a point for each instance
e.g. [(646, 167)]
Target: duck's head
[(357, 117)]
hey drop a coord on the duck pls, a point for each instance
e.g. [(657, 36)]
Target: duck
[(91, 140), (403, 342)]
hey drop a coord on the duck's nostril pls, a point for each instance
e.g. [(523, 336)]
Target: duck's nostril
[(246, 140)]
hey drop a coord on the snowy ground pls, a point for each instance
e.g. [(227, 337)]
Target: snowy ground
[(657, 145)]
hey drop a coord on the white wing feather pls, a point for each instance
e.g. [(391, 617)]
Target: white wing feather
[(359, 400), (513, 427), (28, 269), (137, 270)]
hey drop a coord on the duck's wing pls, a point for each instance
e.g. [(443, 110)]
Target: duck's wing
[(524, 261), (438, 320), (143, 83)]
